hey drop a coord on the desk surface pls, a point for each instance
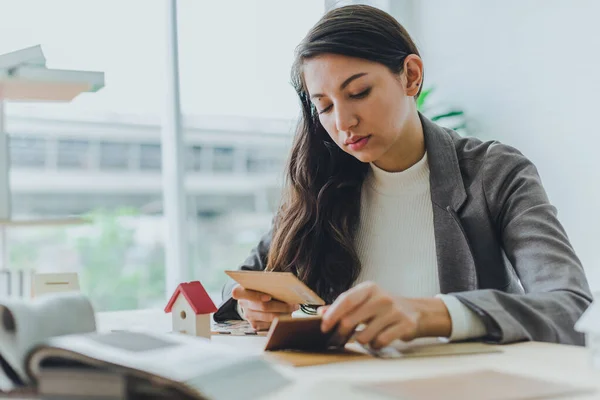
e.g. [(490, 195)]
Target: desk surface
[(561, 363)]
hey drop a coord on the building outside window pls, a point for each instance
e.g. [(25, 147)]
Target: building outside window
[(150, 157), (74, 154), (114, 155), (223, 160), (27, 151)]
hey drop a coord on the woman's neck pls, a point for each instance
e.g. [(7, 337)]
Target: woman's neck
[(408, 150)]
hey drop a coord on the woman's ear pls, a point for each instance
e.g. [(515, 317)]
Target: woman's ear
[(413, 71)]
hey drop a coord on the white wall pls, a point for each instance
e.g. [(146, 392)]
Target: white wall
[(528, 74)]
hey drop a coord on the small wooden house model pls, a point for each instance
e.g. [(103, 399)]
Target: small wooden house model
[(190, 307)]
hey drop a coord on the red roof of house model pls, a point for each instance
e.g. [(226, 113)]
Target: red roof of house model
[(196, 296)]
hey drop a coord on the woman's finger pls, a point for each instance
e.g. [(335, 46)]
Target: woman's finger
[(346, 303), (260, 326), (254, 315), (379, 305), (348, 323), (375, 326), (400, 331), (272, 306), (275, 306), (241, 293), (321, 310)]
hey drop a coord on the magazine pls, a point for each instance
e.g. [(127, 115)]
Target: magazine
[(49, 346), (26, 323)]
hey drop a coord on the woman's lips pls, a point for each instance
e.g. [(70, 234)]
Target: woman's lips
[(359, 144)]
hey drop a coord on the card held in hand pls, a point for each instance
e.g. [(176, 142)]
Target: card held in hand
[(282, 286)]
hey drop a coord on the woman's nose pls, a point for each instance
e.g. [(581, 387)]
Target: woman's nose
[(345, 119)]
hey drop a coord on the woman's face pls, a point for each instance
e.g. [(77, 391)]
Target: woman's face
[(362, 105)]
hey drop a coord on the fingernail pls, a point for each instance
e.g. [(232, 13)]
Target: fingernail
[(265, 297)]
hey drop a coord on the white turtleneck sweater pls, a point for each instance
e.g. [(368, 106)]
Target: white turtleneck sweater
[(396, 243)]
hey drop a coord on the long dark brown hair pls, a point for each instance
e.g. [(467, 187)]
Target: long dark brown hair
[(313, 234)]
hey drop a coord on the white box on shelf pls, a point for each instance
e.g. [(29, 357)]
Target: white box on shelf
[(54, 282)]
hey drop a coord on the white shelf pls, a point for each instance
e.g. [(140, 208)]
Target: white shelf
[(24, 76), (35, 83), (43, 222)]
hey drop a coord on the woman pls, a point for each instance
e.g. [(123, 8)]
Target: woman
[(402, 225)]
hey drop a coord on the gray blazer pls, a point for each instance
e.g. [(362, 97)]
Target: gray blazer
[(500, 247)]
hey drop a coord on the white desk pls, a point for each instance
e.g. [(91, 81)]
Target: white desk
[(569, 364)]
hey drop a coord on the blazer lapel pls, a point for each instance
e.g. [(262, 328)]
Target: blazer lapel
[(456, 266)]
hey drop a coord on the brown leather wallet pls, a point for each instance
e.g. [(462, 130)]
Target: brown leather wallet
[(303, 333)]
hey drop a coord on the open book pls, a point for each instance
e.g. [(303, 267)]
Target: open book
[(49, 347)]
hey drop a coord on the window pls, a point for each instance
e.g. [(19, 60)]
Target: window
[(90, 142), (150, 157), (95, 138), (195, 158), (223, 160), (74, 154), (114, 155), (27, 152), (264, 164), (252, 119)]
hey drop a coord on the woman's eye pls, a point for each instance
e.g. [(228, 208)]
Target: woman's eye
[(362, 94), (325, 110)]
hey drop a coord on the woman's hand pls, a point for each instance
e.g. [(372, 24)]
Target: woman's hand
[(386, 318), (259, 308)]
